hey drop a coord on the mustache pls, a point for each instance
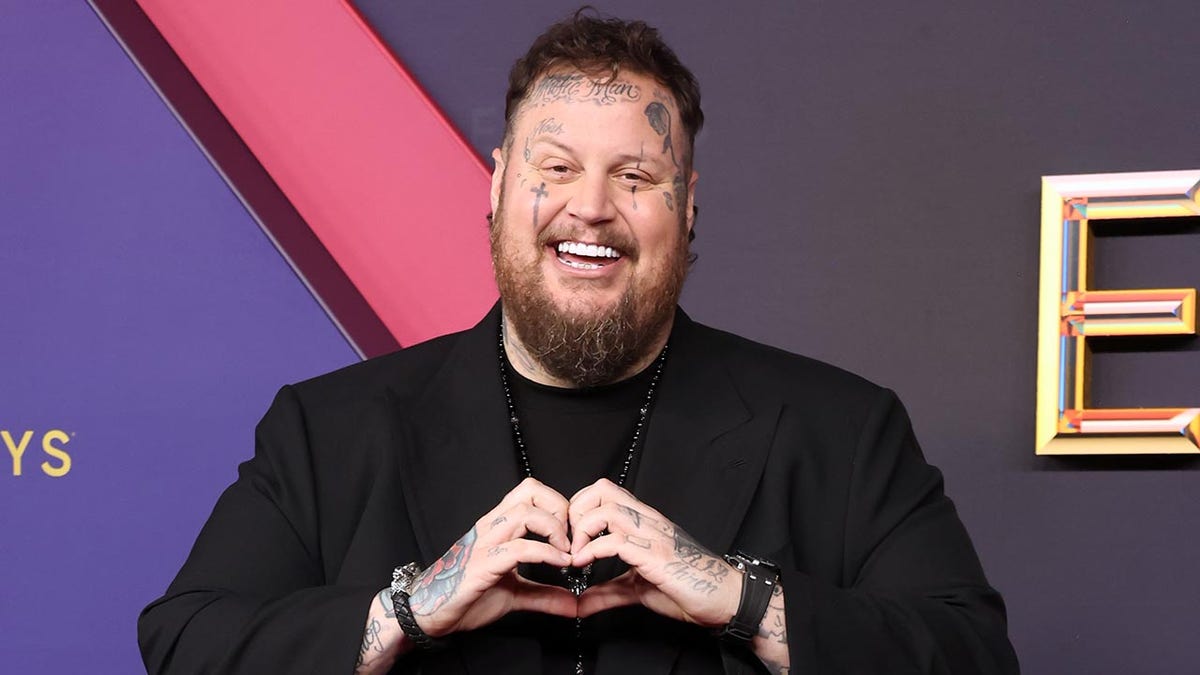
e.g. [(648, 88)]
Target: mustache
[(603, 236)]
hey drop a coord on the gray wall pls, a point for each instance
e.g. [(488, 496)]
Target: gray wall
[(869, 196)]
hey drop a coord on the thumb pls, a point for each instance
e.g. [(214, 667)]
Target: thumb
[(619, 592), (534, 597)]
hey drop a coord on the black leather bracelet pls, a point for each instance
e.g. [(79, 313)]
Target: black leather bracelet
[(408, 624), (759, 578), (402, 581)]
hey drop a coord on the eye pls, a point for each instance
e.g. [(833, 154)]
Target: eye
[(557, 171), (632, 179)]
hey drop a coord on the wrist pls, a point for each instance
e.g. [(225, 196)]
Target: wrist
[(403, 579), (759, 581)]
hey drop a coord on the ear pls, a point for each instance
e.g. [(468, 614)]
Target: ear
[(691, 201), (497, 178)]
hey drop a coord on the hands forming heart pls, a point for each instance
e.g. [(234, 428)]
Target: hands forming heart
[(476, 582)]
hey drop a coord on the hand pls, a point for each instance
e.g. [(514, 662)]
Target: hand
[(671, 574), (476, 583)]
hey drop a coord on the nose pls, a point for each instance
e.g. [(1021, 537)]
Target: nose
[(591, 200)]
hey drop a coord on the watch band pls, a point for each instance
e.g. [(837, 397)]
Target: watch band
[(403, 578), (759, 578)]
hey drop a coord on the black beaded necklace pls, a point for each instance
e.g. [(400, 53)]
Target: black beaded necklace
[(579, 581)]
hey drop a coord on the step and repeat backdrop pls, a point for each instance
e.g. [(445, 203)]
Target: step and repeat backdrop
[(280, 190)]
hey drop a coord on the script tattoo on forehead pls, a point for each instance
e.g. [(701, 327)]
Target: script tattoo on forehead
[(545, 126), (572, 87)]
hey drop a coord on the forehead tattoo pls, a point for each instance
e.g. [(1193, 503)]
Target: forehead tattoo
[(577, 87)]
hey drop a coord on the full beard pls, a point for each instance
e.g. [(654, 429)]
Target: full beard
[(584, 343)]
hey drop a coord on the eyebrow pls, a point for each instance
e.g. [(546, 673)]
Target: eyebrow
[(621, 158), (550, 140)]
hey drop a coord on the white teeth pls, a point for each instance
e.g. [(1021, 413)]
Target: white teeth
[(589, 250)]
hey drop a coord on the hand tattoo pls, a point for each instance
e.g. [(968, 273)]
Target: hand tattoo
[(698, 558), (437, 584), (640, 542), (696, 566), (683, 573), (633, 514)]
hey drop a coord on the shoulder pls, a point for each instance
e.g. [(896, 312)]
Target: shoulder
[(757, 366), (400, 374)]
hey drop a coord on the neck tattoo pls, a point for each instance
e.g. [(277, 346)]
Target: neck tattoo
[(579, 579)]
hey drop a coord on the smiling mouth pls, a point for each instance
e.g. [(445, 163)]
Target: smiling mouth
[(581, 256)]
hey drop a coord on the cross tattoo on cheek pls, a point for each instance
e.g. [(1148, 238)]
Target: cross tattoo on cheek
[(539, 192)]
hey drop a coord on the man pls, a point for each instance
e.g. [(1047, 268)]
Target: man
[(587, 481)]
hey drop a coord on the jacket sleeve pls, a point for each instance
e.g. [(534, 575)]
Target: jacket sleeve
[(251, 597), (913, 597)]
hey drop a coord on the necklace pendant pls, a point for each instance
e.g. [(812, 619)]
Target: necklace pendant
[(578, 579)]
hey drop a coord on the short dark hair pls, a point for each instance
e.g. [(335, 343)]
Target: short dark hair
[(591, 43)]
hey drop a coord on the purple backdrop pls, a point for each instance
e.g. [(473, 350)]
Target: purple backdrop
[(869, 195), (145, 315)]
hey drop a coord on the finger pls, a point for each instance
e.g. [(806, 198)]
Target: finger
[(587, 527), (635, 550), (524, 518), (591, 496), (534, 492), (619, 592), (532, 596), (614, 517), (504, 557), (604, 492)]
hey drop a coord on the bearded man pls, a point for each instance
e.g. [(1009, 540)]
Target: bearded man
[(587, 481)]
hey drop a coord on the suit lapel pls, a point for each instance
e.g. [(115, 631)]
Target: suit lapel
[(704, 454), (705, 447), (456, 456)]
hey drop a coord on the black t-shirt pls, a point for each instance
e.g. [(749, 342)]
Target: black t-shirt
[(573, 438)]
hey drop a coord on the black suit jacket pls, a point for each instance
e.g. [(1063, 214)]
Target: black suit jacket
[(748, 447)]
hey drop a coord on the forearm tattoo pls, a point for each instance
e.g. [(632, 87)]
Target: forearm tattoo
[(574, 87), (774, 625), (371, 644), (436, 585), (773, 630)]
